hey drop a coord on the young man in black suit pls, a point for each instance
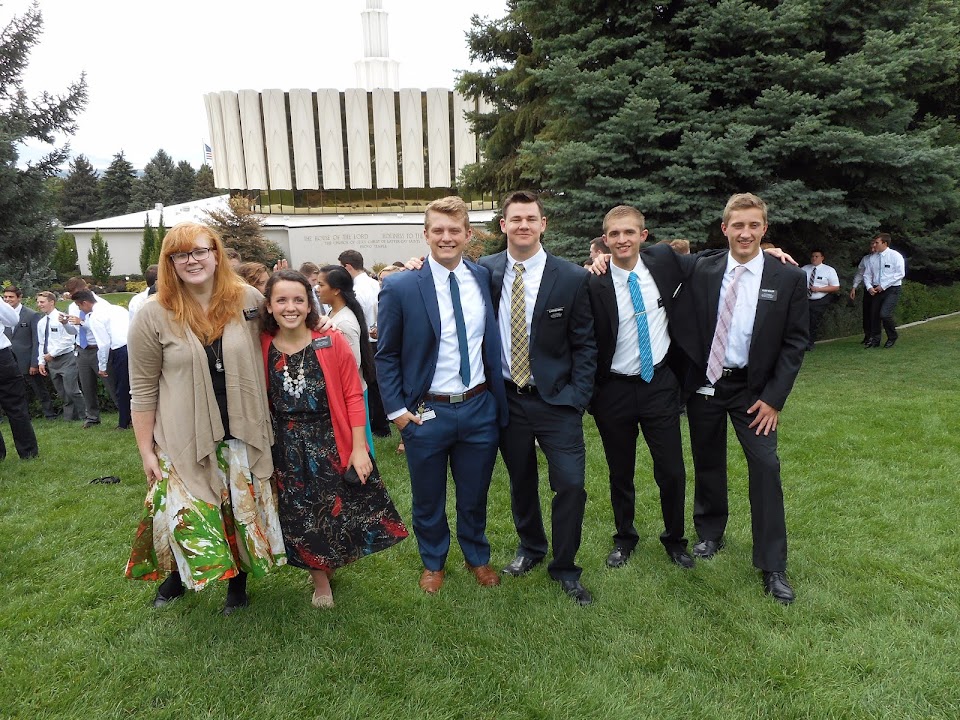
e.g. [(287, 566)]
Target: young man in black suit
[(748, 335), (549, 360), (23, 341)]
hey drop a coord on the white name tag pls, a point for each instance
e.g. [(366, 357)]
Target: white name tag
[(707, 390)]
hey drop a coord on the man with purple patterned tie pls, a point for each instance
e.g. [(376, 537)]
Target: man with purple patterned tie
[(749, 331)]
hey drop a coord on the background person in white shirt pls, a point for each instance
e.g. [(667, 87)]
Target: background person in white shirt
[(55, 355), (110, 324), (883, 278), (822, 284), (137, 301), (86, 353)]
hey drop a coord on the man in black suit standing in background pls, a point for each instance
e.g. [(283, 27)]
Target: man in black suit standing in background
[(13, 393), (549, 362), (748, 333), (23, 341)]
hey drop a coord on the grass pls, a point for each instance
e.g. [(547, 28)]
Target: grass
[(870, 464)]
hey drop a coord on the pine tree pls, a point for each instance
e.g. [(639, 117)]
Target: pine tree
[(98, 258), (204, 187), (26, 230), (184, 182), (64, 259), (80, 200), (148, 246), (116, 187), (242, 230), (158, 242), (156, 183)]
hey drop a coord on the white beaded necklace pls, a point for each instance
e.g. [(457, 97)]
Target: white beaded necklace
[(294, 386)]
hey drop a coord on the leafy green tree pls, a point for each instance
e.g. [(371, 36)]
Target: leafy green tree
[(204, 187), (65, 258), (242, 229), (80, 200), (148, 246), (26, 227), (98, 258), (116, 187), (156, 183), (184, 182), (841, 115)]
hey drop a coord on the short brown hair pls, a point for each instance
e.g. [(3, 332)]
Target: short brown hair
[(353, 258), (744, 201), (309, 268), (521, 196), (74, 284), (681, 245), (452, 206), (47, 295), (622, 211), (14, 289), (884, 238)]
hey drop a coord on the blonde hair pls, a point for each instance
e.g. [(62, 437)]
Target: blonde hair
[(744, 201), (451, 206), (624, 211), (225, 301)]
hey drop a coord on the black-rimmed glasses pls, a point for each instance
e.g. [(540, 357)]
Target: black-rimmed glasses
[(197, 254)]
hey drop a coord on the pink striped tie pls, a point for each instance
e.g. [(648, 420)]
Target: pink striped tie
[(718, 348)]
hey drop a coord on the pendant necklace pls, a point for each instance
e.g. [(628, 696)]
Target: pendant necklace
[(218, 363), (294, 386)]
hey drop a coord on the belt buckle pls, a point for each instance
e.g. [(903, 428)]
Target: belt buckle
[(457, 398)]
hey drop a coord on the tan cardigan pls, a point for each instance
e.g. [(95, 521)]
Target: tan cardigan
[(169, 373)]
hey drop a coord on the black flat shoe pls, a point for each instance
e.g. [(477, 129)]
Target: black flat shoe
[(681, 558), (170, 589), (521, 565), (775, 584), (890, 343), (578, 592), (618, 557), (234, 602), (706, 549)]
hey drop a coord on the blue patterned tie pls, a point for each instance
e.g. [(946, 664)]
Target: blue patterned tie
[(643, 333), (82, 332), (461, 330)]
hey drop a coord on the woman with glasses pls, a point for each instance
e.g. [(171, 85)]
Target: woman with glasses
[(202, 426)]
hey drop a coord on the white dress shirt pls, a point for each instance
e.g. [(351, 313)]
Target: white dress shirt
[(532, 276), (61, 338), (826, 277), (74, 310), (626, 356), (446, 379), (744, 312), (9, 317), (886, 270), (109, 325), (861, 271), (367, 291), (137, 301)]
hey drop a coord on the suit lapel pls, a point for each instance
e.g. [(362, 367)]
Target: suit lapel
[(769, 278), (497, 269), (608, 299), (429, 294), (714, 274), (547, 281)]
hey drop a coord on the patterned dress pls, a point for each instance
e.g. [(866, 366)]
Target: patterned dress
[(326, 522)]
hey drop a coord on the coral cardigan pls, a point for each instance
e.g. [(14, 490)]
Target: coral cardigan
[(344, 396)]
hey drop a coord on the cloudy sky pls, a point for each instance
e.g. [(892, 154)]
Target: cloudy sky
[(148, 65)]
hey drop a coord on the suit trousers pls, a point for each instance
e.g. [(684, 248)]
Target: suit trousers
[(818, 308), (63, 374), (87, 369), (38, 386), (881, 313), (623, 407), (708, 439), (121, 384), (559, 431), (867, 314), (463, 435), (13, 402)]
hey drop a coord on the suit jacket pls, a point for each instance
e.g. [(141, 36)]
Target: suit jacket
[(409, 339), (670, 271), (563, 352), (780, 329), (23, 339)]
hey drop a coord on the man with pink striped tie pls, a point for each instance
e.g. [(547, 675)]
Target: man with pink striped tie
[(750, 328)]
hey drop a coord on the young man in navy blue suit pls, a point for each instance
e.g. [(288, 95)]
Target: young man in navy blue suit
[(438, 366), (549, 361)]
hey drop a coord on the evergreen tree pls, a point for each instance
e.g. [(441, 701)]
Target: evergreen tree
[(64, 259), (116, 187), (242, 230), (148, 246), (158, 242), (98, 258), (26, 229), (184, 182), (204, 186), (80, 200), (156, 183), (841, 115)]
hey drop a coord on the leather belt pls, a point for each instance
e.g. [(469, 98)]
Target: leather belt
[(738, 373), (636, 378), (89, 347), (525, 390), (453, 399)]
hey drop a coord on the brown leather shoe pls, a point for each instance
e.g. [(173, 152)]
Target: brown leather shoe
[(486, 576), (431, 581)]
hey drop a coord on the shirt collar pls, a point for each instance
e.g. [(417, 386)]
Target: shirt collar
[(755, 266), (440, 272), (619, 275), (531, 263)]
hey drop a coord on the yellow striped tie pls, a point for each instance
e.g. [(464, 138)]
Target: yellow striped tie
[(519, 342)]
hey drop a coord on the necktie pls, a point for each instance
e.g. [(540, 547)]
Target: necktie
[(461, 330), (879, 268), (46, 336), (643, 332), (519, 342), (82, 332), (810, 284), (718, 348)]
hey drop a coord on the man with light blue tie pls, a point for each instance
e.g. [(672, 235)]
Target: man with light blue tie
[(438, 366)]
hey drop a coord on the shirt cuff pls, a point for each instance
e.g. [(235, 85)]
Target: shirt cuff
[(394, 415)]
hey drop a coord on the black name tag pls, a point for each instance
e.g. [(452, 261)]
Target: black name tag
[(768, 294), (555, 313), (24, 324), (322, 342), (250, 313)]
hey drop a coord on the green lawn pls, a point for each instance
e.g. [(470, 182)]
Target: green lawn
[(869, 446)]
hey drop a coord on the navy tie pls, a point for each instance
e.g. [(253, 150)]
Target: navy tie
[(461, 330)]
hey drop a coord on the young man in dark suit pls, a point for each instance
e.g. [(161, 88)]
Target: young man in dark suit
[(549, 360), (13, 394), (748, 337), (438, 366), (23, 339)]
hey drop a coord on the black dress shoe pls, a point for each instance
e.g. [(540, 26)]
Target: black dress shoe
[(872, 344), (618, 557), (706, 549), (578, 592), (521, 565), (170, 589), (890, 343), (775, 583), (681, 558), (234, 602)]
